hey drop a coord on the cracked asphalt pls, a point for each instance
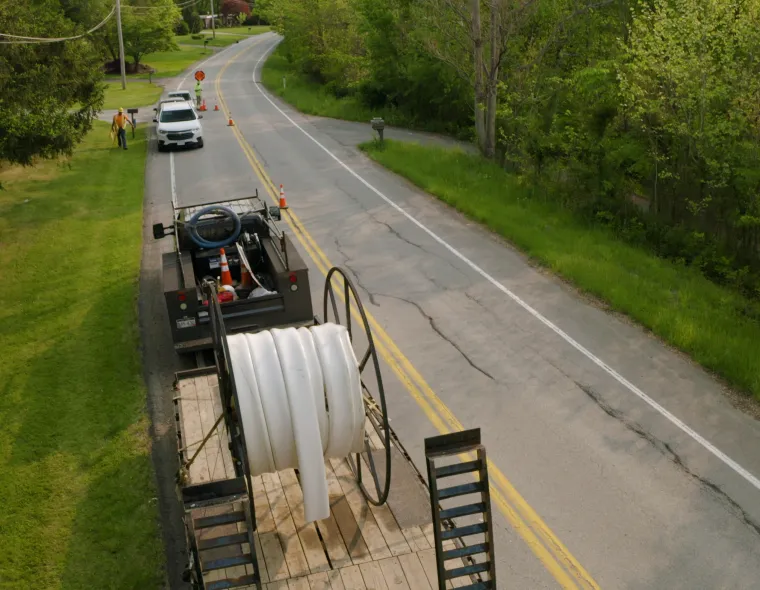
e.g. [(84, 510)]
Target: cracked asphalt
[(638, 502)]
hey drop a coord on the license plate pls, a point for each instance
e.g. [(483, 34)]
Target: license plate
[(213, 262), (186, 323)]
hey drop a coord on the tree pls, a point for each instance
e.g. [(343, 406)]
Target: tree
[(475, 37), (692, 81), (147, 27), (190, 16), (148, 31), (49, 92), (235, 7)]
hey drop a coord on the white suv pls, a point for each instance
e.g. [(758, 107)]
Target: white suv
[(178, 125)]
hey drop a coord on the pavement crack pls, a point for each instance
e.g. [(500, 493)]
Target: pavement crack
[(396, 233), (373, 299), (438, 331), (353, 271), (420, 247), (667, 450), (477, 302)]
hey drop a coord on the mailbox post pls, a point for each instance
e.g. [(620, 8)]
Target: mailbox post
[(378, 125), (133, 112)]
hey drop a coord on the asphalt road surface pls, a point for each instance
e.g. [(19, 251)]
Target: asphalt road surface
[(616, 462)]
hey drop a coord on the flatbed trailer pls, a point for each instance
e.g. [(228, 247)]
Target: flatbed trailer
[(360, 546), (246, 531)]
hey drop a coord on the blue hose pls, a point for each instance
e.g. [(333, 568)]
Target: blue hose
[(203, 243)]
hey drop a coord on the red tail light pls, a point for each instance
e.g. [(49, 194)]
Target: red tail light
[(181, 296), (293, 278)]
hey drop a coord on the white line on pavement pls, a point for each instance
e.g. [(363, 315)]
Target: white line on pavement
[(749, 477), (173, 180)]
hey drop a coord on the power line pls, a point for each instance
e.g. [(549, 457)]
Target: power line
[(181, 5), (20, 39)]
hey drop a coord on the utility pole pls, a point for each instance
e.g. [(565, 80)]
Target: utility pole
[(121, 46), (213, 26)]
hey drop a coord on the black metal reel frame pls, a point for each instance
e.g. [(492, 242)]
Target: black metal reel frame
[(378, 417)]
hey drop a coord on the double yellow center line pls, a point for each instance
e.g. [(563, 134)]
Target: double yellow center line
[(524, 520)]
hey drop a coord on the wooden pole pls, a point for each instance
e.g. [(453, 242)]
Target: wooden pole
[(121, 47), (213, 26)]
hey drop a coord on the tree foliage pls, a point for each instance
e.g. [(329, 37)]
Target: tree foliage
[(147, 27), (49, 92), (235, 8)]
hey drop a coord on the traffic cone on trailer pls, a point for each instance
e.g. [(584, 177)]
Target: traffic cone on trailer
[(225, 268), (245, 278), (283, 202)]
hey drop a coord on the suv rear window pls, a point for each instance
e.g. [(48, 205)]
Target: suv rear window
[(177, 116)]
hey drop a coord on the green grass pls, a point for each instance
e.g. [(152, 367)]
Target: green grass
[(225, 36), (169, 63), (137, 94), (710, 323), (78, 498), (245, 30), (220, 41), (312, 99), (173, 63)]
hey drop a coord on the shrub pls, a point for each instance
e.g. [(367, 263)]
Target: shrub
[(182, 28)]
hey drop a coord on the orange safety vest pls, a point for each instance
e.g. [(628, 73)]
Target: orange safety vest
[(120, 120)]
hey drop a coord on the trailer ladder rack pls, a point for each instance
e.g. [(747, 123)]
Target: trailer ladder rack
[(468, 502)]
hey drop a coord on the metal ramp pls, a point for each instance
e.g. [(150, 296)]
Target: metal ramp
[(462, 528), (221, 526)]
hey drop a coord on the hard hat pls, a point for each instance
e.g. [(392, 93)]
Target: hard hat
[(227, 293), (121, 110)]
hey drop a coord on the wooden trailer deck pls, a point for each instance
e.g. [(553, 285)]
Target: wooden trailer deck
[(360, 547)]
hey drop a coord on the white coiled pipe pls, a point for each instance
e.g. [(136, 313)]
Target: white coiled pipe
[(286, 379)]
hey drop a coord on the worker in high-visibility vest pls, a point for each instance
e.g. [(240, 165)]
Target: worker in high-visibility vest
[(198, 92), (119, 126)]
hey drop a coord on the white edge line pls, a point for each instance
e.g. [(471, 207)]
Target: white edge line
[(173, 180), (754, 481)]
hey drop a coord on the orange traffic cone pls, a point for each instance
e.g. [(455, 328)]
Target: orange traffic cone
[(203, 105), (283, 202), (225, 268), (231, 123), (245, 278), (216, 107)]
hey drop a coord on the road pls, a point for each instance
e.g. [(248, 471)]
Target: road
[(616, 462)]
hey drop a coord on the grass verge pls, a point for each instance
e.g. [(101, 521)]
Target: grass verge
[(168, 63), (224, 37), (220, 41), (312, 99), (137, 94), (244, 30), (711, 323), (173, 63), (75, 467)]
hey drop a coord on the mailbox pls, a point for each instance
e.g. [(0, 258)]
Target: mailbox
[(133, 112), (378, 125)]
